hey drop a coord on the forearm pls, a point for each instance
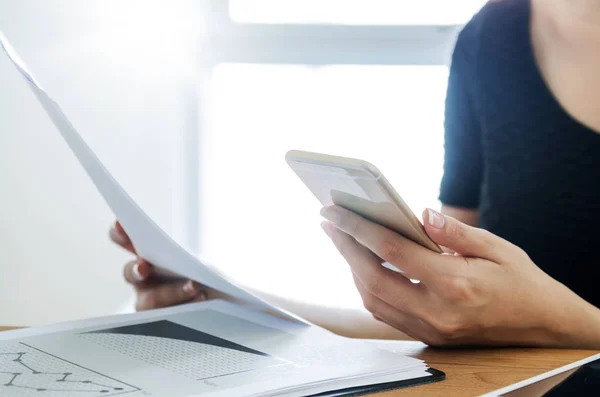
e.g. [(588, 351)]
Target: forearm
[(347, 322), (575, 323), (351, 323)]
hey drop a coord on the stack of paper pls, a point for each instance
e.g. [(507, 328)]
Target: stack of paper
[(209, 348), (213, 348)]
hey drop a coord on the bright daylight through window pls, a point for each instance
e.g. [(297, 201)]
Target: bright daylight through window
[(258, 222)]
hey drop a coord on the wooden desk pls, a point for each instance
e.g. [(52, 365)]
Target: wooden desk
[(475, 372), (7, 328)]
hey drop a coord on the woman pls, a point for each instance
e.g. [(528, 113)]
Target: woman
[(523, 164)]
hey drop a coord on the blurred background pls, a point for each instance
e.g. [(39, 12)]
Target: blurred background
[(192, 105)]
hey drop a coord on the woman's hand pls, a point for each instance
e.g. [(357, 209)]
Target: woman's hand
[(488, 293), (155, 289)]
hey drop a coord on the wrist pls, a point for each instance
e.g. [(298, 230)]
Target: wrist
[(574, 322)]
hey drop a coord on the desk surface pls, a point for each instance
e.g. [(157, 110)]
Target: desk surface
[(475, 372)]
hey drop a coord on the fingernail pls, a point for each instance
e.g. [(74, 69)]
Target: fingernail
[(332, 214), (435, 219), (327, 227), (140, 272), (202, 296), (191, 288), (117, 237)]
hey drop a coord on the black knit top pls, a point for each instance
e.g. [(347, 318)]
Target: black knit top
[(514, 153)]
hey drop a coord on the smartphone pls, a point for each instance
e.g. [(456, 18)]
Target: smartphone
[(361, 188)]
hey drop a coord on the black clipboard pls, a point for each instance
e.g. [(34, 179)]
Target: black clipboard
[(436, 376)]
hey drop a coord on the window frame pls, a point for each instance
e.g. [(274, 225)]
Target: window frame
[(227, 41)]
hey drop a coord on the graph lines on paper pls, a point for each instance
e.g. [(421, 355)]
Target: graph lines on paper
[(28, 371)]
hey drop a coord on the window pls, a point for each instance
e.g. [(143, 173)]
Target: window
[(383, 103), (355, 12), (260, 223)]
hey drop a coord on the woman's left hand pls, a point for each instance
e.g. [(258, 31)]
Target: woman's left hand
[(488, 293)]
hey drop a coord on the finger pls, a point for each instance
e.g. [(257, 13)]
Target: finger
[(117, 235), (466, 240), (416, 261), (381, 282), (137, 272), (382, 311), (165, 295)]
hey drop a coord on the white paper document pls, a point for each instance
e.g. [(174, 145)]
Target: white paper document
[(209, 349), (150, 242)]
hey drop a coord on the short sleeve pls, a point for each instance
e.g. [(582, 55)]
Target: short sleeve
[(463, 163)]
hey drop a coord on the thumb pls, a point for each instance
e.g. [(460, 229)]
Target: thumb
[(463, 239)]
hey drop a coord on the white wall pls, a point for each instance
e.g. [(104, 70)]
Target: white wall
[(122, 71), (133, 105)]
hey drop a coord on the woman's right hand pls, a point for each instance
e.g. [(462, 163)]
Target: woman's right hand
[(153, 288)]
